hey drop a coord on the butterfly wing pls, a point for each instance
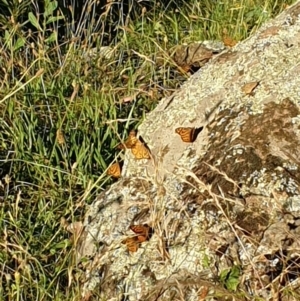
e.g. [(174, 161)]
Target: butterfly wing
[(114, 170), (121, 146), (188, 134), (185, 133), (141, 238), (130, 141), (142, 231), (140, 151), (131, 244)]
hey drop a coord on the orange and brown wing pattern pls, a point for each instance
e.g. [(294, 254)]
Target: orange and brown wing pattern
[(131, 243), (142, 234), (130, 141), (140, 151), (114, 170), (188, 134), (228, 41), (142, 231)]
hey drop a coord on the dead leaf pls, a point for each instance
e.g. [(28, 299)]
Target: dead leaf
[(129, 98), (249, 88), (203, 293), (60, 137), (75, 228)]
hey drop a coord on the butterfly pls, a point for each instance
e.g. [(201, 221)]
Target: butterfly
[(188, 134), (131, 243), (142, 231), (114, 170), (143, 234), (130, 142), (228, 41), (138, 149), (185, 68)]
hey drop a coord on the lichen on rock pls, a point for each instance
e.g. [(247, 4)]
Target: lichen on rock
[(230, 199)]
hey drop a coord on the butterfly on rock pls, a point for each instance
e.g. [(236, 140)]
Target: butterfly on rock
[(188, 134), (143, 233), (114, 170), (130, 141), (138, 148)]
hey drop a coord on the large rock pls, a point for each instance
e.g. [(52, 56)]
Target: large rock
[(227, 202)]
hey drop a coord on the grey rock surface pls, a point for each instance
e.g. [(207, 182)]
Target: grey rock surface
[(229, 199)]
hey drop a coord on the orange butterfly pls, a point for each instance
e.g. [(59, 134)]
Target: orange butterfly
[(228, 41), (138, 149), (188, 134), (142, 231), (185, 68), (131, 243), (130, 142), (143, 234), (114, 170)]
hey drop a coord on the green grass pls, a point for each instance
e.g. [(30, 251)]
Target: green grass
[(46, 86)]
